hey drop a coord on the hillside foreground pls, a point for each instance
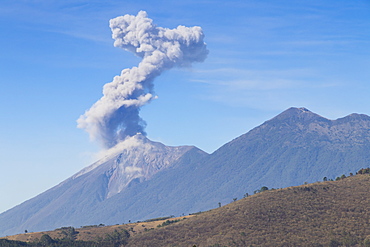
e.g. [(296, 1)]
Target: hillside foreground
[(332, 213)]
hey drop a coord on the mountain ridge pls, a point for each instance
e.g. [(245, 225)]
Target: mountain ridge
[(295, 147)]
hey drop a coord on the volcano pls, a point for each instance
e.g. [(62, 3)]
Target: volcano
[(133, 161), (140, 179)]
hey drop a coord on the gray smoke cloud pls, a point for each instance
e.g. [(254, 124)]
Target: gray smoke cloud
[(115, 116)]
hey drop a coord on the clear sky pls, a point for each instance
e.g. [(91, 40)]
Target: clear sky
[(264, 57)]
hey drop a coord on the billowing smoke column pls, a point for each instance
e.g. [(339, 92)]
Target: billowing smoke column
[(116, 115)]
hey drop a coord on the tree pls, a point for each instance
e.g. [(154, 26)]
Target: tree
[(70, 233), (264, 188), (46, 240), (118, 238), (325, 179)]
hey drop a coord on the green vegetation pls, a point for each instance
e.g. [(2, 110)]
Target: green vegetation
[(159, 218), (46, 240), (364, 171), (168, 222), (92, 226), (114, 239), (117, 238), (12, 243), (69, 233), (361, 171), (91, 235), (263, 188)]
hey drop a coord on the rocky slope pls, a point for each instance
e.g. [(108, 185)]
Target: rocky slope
[(72, 201)]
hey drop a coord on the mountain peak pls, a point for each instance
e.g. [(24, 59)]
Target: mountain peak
[(293, 111), (298, 109), (354, 117), (295, 114)]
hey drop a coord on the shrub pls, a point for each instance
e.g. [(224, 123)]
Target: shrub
[(168, 222)]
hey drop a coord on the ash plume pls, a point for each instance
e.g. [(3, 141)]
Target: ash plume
[(115, 116)]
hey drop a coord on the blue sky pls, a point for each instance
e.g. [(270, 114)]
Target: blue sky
[(265, 56)]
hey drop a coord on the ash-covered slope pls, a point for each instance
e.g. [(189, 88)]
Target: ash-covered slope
[(74, 201), (133, 161)]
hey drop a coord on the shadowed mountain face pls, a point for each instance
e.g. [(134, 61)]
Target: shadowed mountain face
[(299, 146), (146, 179)]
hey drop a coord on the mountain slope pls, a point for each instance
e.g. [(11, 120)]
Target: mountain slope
[(295, 147), (150, 180)]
